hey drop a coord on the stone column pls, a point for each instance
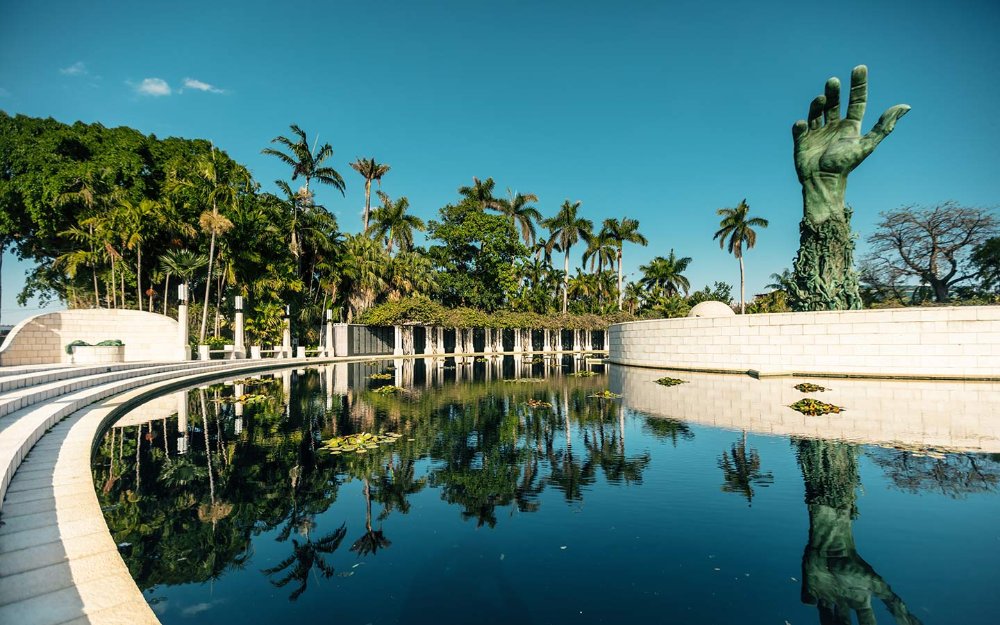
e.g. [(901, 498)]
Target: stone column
[(429, 349), (576, 340), (439, 342), (546, 345), (328, 342), (239, 340), (286, 334), (397, 342), (183, 349), (487, 340)]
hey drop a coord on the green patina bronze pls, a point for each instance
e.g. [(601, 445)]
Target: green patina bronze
[(827, 149)]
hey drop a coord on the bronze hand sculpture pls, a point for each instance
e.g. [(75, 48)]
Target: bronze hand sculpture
[(827, 148)]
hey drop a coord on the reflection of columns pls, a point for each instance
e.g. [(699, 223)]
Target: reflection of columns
[(239, 349), (397, 344), (286, 387), (340, 376), (328, 342), (183, 350), (286, 334), (238, 392), (398, 373), (182, 421), (328, 379)]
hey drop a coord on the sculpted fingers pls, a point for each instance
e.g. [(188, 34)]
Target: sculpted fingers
[(832, 111), (816, 112), (859, 93)]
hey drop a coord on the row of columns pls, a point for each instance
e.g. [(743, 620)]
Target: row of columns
[(404, 344)]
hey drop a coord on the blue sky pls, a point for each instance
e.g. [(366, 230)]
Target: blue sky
[(659, 111)]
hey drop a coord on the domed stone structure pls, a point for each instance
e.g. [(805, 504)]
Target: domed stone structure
[(711, 309)]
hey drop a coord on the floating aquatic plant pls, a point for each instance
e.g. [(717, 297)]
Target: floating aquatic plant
[(537, 403), (582, 374), (814, 407), (359, 443), (605, 395), (246, 398), (480, 359), (669, 381), (381, 376), (806, 387), (524, 381), (255, 381), (387, 390)]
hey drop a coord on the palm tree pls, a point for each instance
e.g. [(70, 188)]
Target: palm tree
[(391, 222), (566, 230), (480, 193), (741, 470), (782, 281), (306, 555), (738, 228), (183, 264), (667, 274), (621, 232), (305, 162), (518, 209), (369, 170), (600, 251)]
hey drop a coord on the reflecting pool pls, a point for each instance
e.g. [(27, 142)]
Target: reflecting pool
[(504, 493)]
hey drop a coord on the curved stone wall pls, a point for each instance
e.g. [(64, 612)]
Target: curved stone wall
[(946, 342), (42, 339)]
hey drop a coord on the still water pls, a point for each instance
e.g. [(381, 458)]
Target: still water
[(487, 509)]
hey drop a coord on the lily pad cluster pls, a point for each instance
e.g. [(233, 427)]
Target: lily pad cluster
[(246, 398), (480, 359), (359, 443), (605, 395), (537, 403), (388, 390), (814, 407), (524, 381), (670, 381), (255, 381), (582, 374), (381, 376), (807, 387)]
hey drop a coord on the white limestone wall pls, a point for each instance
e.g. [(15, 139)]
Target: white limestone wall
[(959, 342), (42, 339)]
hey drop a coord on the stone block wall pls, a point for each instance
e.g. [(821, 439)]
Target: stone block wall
[(42, 339), (953, 342)]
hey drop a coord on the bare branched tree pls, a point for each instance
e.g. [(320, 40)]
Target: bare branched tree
[(931, 244)]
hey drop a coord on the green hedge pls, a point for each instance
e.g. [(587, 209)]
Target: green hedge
[(420, 311)]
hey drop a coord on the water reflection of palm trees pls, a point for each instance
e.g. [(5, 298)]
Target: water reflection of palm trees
[(306, 556), (834, 577), (741, 470)]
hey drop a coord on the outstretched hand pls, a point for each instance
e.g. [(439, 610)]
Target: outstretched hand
[(831, 145)]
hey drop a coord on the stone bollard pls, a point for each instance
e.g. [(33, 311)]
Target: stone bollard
[(300, 351), (255, 352), (203, 352)]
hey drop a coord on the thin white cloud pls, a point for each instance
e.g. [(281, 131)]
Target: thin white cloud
[(76, 69), (191, 83), (155, 87)]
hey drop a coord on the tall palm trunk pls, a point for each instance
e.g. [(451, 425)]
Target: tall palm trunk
[(621, 294), (742, 289), (138, 278), (114, 294), (368, 201), (566, 281), (208, 281), (166, 292)]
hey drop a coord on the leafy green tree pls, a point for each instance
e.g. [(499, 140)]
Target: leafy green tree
[(986, 259), (736, 230), (566, 230), (476, 256)]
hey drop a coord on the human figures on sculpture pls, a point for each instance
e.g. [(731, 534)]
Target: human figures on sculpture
[(834, 577), (828, 147)]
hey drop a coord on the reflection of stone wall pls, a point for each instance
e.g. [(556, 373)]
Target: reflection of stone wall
[(946, 341), (959, 415), (42, 339)]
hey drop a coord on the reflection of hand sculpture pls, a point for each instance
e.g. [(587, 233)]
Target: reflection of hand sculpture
[(834, 577), (827, 148)]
